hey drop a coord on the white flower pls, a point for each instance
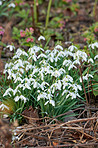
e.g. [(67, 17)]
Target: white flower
[(52, 102), (33, 56), (62, 71), (42, 85), (59, 47), (61, 54), (96, 57), (2, 107), (68, 53), (67, 62), (42, 95), (35, 49), (68, 42), (42, 55), (29, 66), (16, 98), (79, 87), (0, 3), (90, 60), (18, 79), (72, 47), (73, 95), (93, 45), (20, 97), (76, 62), (72, 66), (65, 91), (5, 116), (56, 73), (80, 55), (86, 77), (41, 38), (56, 86), (10, 47), (11, 5), (18, 53), (7, 92), (67, 78)]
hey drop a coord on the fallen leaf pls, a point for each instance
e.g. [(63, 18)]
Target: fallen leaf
[(32, 113), (55, 143)]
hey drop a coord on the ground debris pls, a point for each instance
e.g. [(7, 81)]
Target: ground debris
[(53, 133)]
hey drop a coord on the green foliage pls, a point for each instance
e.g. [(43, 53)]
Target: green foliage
[(91, 34), (47, 79)]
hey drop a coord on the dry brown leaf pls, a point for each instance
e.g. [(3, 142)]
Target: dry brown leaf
[(7, 34), (55, 143), (31, 113)]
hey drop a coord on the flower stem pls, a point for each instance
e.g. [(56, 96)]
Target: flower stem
[(48, 11), (35, 12), (83, 84)]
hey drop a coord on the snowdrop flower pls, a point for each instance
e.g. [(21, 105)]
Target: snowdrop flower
[(59, 47), (90, 60), (68, 42), (35, 49), (93, 45), (36, 84), (47, 51), (52, 102), (16, 98), (72, 47), (42, 95), (27, 85), (2, 107), (56, 86), (72, 94), (50, 57), (20, 97), (96, 57), (68, 53), (8, 65), (62, 71), (41, 74), (72, 66), (67, 62), (10, 47), (64, 92), (76, 62), (7, 92), (86, 77), (76, 87), (11, 5), (0, 3), (67, 78), (29, 66), (33, 56), (18, 79), (79, 87), (61, 54), (42, 55), (16, 91), (56, 73), (42, 85), (5, 116), (41, 38), (18, 53), (80, 55)]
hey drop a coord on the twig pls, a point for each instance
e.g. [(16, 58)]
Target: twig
[(79, 120)]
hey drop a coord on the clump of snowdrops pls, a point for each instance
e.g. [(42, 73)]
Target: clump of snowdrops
[(49, 80)]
